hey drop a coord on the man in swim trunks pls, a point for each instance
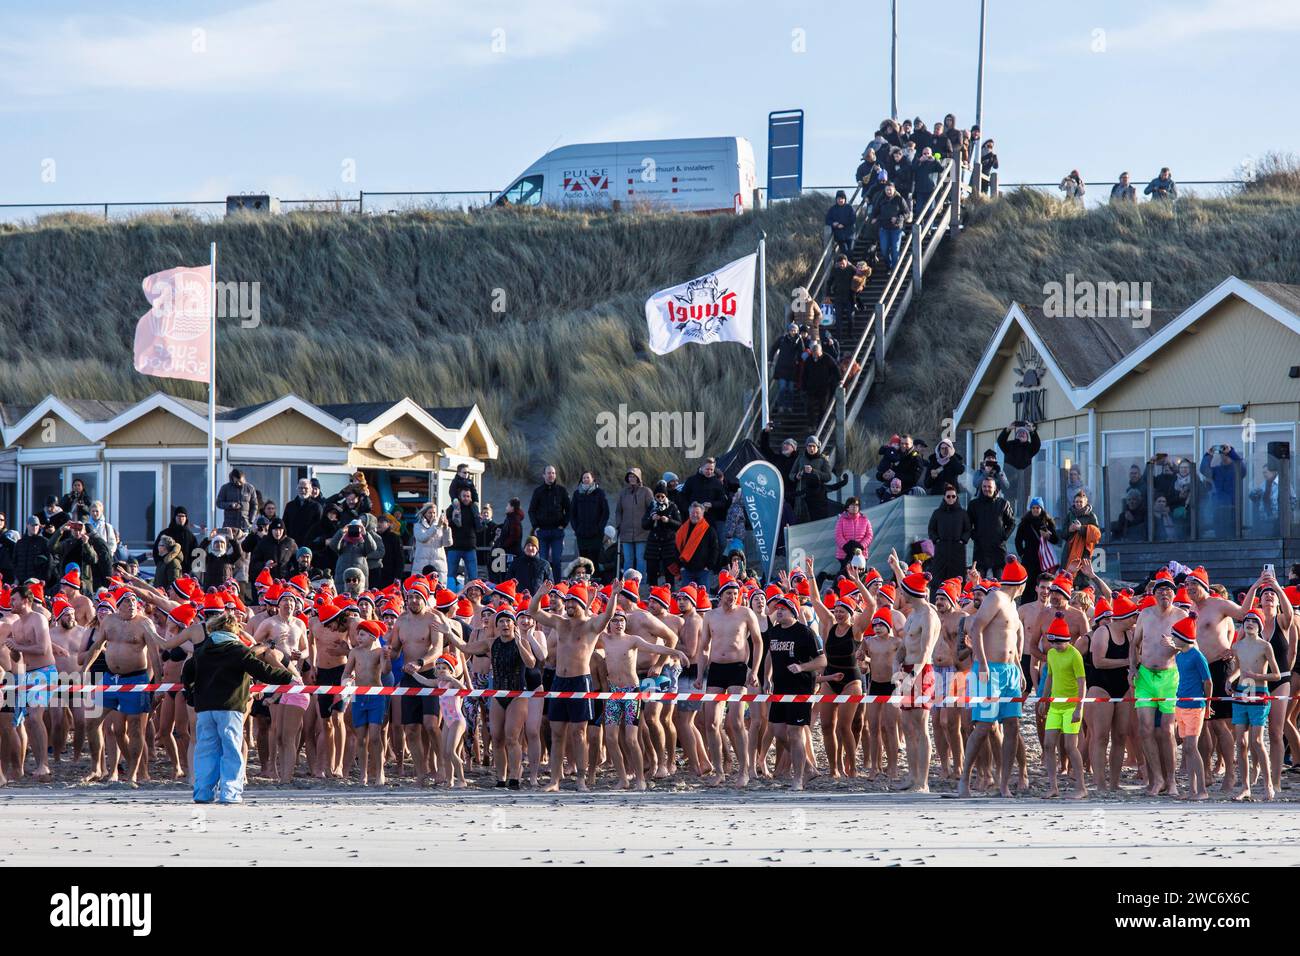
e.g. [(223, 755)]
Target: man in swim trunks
[(916, 679), (949, 682), (418, 637), (731, 645), (689, 736), (997, 640), (576, 634), (622, 735), (29, 635), (1154, 675), (649, 626), (331, 654)]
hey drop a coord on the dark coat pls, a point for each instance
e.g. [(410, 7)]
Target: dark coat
[(300, 516), (32, 559), (949, 530), (282, 554), (810, 491), (949, 474), (589, 512), (1018, 454), (217, 675), (661, 546), (709, 492), (548, 509), (1027, 541), (788, 350), (706, 555), (992, 520), (183, 536)]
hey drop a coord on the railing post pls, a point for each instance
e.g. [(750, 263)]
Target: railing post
[(917, 265), (993, 183), (976, 174), (841, 426), (105, 212), (361, 201), (879, 320), (956, 198)]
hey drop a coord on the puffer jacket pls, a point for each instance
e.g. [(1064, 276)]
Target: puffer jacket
[(431, 543), (660, 545)]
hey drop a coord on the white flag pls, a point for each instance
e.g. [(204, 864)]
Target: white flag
[(718, 307)]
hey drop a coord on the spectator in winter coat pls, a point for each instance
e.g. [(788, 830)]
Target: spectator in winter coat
[(511, 540), (394, 560), (661, 522), (1020, 444), (237, 501), (223, 552), (634, 500), (1223, 468), (944, 468), (891, 214), (355, 498), (901, 173), (1036, 527), (1162, 187), (76, 499), (181, 535), (821, 376), (925, 178), (589, 513), (949, 530), (803, 310), (840, 222), (840, 287), (988, 166), (890, 490), (463, 519), (167, 563), (697, 548), (548, 512), (811, 475), (907, 465), (530, 570), (858, 283), (820, 334), (1074, 188), (706, 487), (782, 460), (72, 548), (887, 459), (432, 536), (787, 354), (32, 557), (277, 551), (1122, 191), (302, 513), (992, 521), (989, 468), (852, 532), (318, 539), (354, 545)]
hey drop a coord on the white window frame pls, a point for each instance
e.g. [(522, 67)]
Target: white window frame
[(1105, 459)]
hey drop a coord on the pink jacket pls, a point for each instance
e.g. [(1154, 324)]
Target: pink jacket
[(852, 528)]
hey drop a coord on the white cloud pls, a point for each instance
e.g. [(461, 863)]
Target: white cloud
[(378, 49)]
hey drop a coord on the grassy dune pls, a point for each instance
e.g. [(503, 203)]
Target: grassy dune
[(365, 308)]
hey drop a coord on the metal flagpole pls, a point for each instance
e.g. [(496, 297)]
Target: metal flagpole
[(979, 80), (762, 320), (212, 393), (893, 60)]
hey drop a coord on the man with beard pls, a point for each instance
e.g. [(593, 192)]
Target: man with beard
[(1154, 674)]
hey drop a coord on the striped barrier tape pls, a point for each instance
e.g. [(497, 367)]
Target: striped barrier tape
[(351, 690)]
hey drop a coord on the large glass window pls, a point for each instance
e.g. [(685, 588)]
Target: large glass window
[(1264, 467), (266, 479), (1125, 503), (137, 507), (44, 483), (1173, 475), (526, 192), (188, 484), (1221, 471)]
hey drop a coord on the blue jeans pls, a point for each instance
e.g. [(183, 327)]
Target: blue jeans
[(550, 543), (890, 241), (218, 756), (784, 393), (633, 556), (700, 577), (454, 558)]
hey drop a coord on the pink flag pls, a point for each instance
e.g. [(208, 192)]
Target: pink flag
[(172, 339)]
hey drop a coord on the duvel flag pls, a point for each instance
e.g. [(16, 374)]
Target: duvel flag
[(718, 307), (172, 339)]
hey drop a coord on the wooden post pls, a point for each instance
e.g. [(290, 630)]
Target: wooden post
[(917, 264), (955, 224), (993, 183), (879, 321)]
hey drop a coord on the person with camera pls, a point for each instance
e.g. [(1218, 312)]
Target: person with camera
[(237, 501), (432, 533), (989, 468), (853, 532), (1223, 468), (892, 213), (354, 546), (661, 521), (223, 552)]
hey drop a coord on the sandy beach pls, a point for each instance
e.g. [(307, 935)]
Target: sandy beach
[(162, 827)]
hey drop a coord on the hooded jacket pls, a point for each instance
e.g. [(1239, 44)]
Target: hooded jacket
[(167, 566), (183, 536), (431, 542), (949, 473), (354, 552), (633, 500), (217, 673)]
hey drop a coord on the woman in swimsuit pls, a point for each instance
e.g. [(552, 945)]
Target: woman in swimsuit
[(535, 638), (1106, 674), (883, 648), (761, 734), (841, 676), (1279, 632), (508, 715)]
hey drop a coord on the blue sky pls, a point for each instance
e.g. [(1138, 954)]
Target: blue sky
[(136, 100)]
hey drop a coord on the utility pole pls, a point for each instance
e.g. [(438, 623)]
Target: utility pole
[(893, 60), (979, 81)]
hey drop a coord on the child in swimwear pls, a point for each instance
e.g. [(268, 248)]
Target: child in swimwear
[(453, 718)]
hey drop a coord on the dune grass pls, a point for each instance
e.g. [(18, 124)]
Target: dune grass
[(536, 315), (1012, 246)]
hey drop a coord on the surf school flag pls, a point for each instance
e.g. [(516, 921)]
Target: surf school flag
[(762, 490), (172, 338), (718, 307)]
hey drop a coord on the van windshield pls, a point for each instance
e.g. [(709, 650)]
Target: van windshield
[(526, 192)]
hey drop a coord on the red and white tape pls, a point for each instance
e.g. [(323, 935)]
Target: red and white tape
[(351, 690)]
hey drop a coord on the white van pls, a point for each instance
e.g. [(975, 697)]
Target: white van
[(714, 174)]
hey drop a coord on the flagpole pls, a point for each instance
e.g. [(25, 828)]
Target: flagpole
[(762, 321), (212, 393)]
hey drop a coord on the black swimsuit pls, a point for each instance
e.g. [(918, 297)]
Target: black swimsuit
[(1113, 680), (507, 669), (1281, 648), (840, 658)]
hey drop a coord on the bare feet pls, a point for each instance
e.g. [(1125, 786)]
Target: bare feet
[(1079, 794)]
